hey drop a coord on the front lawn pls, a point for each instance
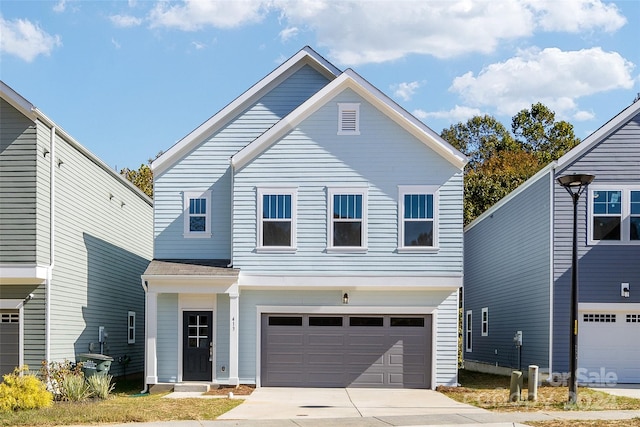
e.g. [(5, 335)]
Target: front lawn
[(492, 392), (124, 406)]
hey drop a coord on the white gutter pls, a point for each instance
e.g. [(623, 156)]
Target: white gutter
[(52, 246), (232, 211), (146, 319)]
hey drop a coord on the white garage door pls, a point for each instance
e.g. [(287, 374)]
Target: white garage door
[(304, 350), (609, 342)]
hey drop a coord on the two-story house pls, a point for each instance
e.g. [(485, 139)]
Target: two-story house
[(308, 234), (518, 256), (75, 236)]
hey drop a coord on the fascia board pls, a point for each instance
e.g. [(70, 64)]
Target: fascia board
[(528, 183), (352, 80), (306, 56), (17, 101), (599, 135)]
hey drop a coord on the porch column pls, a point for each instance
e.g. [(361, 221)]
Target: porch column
[(151, 323), (234, 311)]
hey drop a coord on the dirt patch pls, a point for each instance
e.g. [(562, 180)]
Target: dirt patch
[(241, 390)]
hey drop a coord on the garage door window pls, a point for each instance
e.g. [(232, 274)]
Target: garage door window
[(325, 321), (285, 321), (365, 321), (597, 317), (416, 322), (633, 318)]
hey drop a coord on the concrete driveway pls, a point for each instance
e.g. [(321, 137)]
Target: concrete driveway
[(625, 390), (290, 403)]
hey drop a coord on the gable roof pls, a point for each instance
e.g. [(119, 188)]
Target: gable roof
[(565, 161), (306, 56), (32, 112), (599, 135), (350, 79)]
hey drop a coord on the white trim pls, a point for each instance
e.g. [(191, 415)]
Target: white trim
[(342, 109), (468, 331), (194, 302), (22, 274), (345, 309), (349, 191), (610, 306), (11, 304), (350, 79), (484, 323), (432, 190), (328, 281), (191, 284), (131, 338), (552, 189), (305, 56), (187, 196), (287, 191), (625, 214)]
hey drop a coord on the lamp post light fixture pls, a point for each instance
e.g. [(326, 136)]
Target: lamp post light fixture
[(575, 186)]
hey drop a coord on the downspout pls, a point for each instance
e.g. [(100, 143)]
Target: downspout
[(232, 211), (52, 246), (145, 390)]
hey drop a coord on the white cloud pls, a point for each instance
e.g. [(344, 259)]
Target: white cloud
[(60, 6), (288, 33), (192, 15), (456, 114), (405, 90), (198, 45), (551, 76), (26, 40), (125, 21), (578, 15), (583, 116)]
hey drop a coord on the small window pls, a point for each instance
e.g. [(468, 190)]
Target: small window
[(485, 321), (614, 215), (325, 321), (365, 321), (276, 218), (197, 214), (411, 322), (348, 119), (599, 318), (285, 321), (131, 327), (347, 219), (634, 218), (468, 334), (417, 217), (607, 215)]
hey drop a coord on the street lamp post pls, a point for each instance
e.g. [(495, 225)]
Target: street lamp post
[(575, 186)]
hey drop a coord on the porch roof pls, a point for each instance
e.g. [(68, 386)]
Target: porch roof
[(191, 267)]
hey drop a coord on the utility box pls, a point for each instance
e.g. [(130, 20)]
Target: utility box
[(94, 364)]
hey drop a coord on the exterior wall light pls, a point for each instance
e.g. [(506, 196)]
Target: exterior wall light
[(345, 298), (625, 290)]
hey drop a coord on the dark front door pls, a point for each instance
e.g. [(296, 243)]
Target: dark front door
[(197, 346)]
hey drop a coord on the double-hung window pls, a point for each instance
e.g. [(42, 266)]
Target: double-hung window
[(614, 215), (197, 213), (417, 218), (277, 218), (347, 219)]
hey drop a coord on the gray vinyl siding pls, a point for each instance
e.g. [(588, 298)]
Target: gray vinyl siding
[(207, 168), (17, 187), (313, 157), (601, 268), (167, 340), (446, 333), (507, 263)]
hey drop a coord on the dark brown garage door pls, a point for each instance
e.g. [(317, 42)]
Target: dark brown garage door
[(310, 350)]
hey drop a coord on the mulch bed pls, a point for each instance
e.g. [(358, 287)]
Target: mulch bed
[(241, 390)]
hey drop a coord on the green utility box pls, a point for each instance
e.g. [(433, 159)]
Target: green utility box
[(94, 364)]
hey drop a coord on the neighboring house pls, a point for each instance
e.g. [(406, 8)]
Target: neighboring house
[(308, 234), (74, 238), (517, 273)]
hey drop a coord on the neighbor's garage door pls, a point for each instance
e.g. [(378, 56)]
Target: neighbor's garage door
[(305, 350), (9, 340), (609, 341)]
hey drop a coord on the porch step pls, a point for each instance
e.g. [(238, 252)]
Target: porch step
[(191, 387)]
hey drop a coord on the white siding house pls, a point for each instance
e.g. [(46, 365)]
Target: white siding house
[(308, 234)]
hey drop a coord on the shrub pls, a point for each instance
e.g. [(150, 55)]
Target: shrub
[(100, 385), (21, 390), (74, 388), (54, 373)]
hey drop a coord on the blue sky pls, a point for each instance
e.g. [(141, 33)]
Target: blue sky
[(128, 79)]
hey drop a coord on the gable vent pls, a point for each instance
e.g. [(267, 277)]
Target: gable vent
[(348, 119)]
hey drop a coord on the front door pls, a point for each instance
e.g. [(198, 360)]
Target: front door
[(197, 357)]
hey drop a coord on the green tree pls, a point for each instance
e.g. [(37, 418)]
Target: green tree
[(142, 177), (537, 131)]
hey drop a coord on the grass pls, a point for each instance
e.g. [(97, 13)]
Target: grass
[(492, 392), (122, 407), (635, 422)]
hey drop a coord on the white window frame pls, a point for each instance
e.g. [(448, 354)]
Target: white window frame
[(468, 332), (417, 189), (485, 321), (188, 196), (333, 191), (343, 108), (290, 191), (625, 215), (131, 327)]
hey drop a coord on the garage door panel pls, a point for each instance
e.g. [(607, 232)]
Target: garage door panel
[(285, 358), (285, 339), (336, 354)]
